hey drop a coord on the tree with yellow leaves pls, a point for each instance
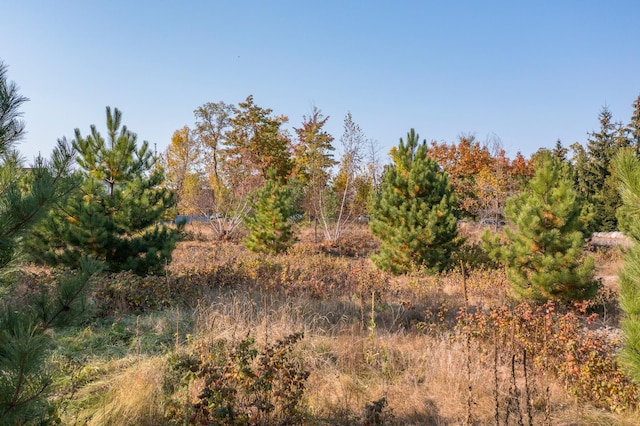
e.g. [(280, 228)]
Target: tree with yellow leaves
[(182, 164)]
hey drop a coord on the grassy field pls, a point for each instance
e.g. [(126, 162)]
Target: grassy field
[(319, 336)]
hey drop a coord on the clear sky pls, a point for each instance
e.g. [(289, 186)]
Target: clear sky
[(528, 72)]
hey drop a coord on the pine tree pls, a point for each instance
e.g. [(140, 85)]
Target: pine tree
[(270, 230), (25, 194), (414, 214), (115, 215), (559, 152), (628, 173), (25, 197), (544, 255), (25, 343), (11, 131), (11, 124)]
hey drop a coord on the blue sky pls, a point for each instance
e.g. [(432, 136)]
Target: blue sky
[(528, 72)]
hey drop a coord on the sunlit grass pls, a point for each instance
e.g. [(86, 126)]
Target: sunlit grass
[(367, 336)]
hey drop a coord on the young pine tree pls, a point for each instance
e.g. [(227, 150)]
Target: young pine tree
[(544, 255), (628, 172), (115, 215), (24, 195), (25, 198), (270, 231), (414, 214)]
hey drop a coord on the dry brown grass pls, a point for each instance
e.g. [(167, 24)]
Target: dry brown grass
[(408, 351), (421, 374), (134, 396)]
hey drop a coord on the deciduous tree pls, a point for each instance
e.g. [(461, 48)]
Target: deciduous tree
[(218, 192), (464, 162), (213, 122), (255, 144), (183, 170), (341, 203), (313, 158), (239, 144)]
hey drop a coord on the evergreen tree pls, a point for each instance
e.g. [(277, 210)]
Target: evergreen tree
[(544, 255), (25, 197), (270, 230), (115, 215), (559, 152), (25, 194), (594, 174), (11, 131), (11, 125), (628, 173), (633, 128), (25, 343), (414, 214)]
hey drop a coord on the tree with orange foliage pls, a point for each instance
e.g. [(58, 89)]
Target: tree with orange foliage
[(481, 179), (464, 162)]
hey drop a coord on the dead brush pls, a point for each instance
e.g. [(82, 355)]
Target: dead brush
[(560, 344), (247, 385), (416, 357)]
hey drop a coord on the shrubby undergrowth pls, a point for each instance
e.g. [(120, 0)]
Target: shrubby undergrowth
[(213, 341)]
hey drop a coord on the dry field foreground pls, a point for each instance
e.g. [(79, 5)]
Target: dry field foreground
[(375, 349)]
